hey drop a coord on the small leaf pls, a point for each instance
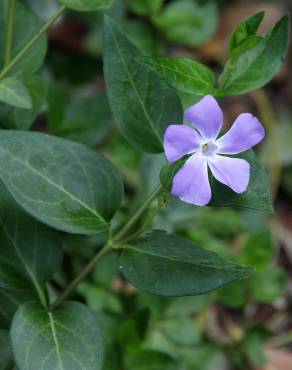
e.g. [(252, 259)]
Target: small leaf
[(30, 252), (22, 119), (13, 92), (187, 23), (148, 359), (68, 338), (145, 7), (62, 183), (256, 60), (258, 195), (86, 5), (169, 265), (184, 74), (149, 106), (23, 32), (245, 29)]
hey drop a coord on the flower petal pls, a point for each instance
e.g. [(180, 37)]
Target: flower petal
[(233, 172), (180, 140), (191, 182), (245, 133), (206, 116)]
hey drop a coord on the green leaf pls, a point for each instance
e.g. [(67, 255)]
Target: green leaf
[(62, 183), (148, 359), (13, 92), (68, 338), (187, 23), (30, 252), (84, 118), (86, 5), (5, 350), (169, 265), (245, 29), (256, 60), (258, 195), (184, 74), (259, 249), (23, 31), (145, 7), (268, 284), (22, 119), (149, 106)]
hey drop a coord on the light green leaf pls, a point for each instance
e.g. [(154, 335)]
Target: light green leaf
[(62, 183), (149, 106), (245, 29), (23, 31), (169, 265), (68, 338), (22, 119), (256, 60), (184, 74), (30, 252), (258, 195), (86, 5), (145, 7), (187, 23), (13, 92), (5, 350)]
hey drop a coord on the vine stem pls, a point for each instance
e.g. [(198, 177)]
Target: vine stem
[(35, 38), (9, 32), (107, 247)]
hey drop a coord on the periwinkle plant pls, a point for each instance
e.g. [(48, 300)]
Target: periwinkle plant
[(49, 184)]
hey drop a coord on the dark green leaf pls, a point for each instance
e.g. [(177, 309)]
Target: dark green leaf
[(84, 118), (257, 196), (152, 360), (5, 350), (145, 7), (245, 29), (187, 23), (30, 252), (256, 60), (23, 31), (149, 106), (62, 183), (68, 338), (169, 265), (13, 92), (184, 74), (86, 5)]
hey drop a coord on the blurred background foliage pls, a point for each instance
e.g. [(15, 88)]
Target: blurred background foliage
[(247, 325)]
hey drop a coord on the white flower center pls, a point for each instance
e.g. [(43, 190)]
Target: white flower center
[(209, 149)]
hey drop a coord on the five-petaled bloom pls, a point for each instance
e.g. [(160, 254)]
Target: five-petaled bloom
[(191, 182)]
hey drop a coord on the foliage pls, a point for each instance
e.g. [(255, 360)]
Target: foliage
[(91, 207)]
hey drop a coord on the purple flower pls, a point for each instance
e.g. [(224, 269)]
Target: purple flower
[(191, 182)]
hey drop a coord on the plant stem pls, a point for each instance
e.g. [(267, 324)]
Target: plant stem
[(9, 32), (137, 215), (29, 45), (88, 268), (108, 247)]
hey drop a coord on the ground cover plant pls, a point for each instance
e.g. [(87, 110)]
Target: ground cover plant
[(144, 185)]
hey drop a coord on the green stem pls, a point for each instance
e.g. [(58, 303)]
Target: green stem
[(36, 37), (88, 268), (9, 32), (108, 247)]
